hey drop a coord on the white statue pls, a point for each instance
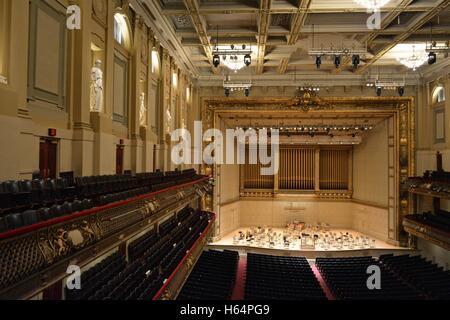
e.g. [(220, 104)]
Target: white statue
[(97, 88), (169, 119), (142, 111)]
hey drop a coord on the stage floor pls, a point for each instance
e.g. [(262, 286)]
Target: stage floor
[(377, 247)]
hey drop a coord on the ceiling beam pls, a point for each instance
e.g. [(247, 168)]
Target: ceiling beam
[(368, 38), (414, 26), (298, 20), (192, 7), (263, 33), (233, 9)]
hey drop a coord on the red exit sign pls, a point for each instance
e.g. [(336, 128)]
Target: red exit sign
[(52, 132)]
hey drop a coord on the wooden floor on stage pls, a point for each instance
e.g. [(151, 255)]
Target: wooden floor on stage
[(377, 248)]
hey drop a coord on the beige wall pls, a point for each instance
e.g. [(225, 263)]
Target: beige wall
[(87, 141), (367, 219), (370, 167)]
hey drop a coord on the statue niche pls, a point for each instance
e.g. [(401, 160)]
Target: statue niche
[(96, 96)]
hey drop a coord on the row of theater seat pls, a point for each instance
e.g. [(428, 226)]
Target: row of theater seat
[(424, 276), (439, 220), (144, 274), (24, 203), (347, 278), (27, 194), (281, 278), (31, 217), (213, 277)]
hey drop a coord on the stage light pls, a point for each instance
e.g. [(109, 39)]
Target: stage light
[(356, 61), (432, 58), (337, 61), (379, 91), (248, 60), (227, 92), (318, 61), (216, 60), (401, 91)]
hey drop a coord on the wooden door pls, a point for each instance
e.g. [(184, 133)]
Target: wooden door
[(119, 160), (48, 158)]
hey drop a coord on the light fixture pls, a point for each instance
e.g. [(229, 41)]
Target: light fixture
[(356, 60), (401, 91), (318, 61), (248, 60), (337, 61), (432, 58), (379, 90), (413, 61), (216, 60), (247, 92), (227, 92), (373, 5)]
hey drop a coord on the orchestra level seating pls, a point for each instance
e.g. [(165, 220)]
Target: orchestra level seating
[(347, 279), (281, 278), (213, 277)]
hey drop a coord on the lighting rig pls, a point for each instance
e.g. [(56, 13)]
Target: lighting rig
[(315, 129), (337, 55), (235, 59), (232, 86), (433, 48), (381, 85)]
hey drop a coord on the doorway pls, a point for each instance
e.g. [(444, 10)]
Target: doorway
[(119, 159), (47, 158)]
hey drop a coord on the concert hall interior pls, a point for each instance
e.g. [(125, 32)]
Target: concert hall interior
[(224, 150)]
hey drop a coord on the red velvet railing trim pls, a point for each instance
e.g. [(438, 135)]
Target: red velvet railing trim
[(44, 224), (203, 235)]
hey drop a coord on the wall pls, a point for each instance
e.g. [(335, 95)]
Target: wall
[(56, 92), (278, 213), (370, 167)]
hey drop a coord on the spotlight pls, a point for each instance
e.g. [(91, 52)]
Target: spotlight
[(337, 61), (356, 60), (216, 60), (227, 92), (318, 61), (247, 92), (401, 91), (379, 90), (432, 58), (248, 60)]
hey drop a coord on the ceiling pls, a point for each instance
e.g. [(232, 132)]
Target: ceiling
[(281, 32)]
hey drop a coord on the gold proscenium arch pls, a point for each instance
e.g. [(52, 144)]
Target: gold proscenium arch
[(401, 140)]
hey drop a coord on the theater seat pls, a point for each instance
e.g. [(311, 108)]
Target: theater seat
[(44, 214), (3, 227), (30, 217), (14, 221)]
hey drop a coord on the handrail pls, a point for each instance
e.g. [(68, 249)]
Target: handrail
[(44, 224), (174, 273)]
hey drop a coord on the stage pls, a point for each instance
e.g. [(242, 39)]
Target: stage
[(300, 247)]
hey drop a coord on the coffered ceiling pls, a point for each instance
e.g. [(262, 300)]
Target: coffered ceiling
[(281, 32)]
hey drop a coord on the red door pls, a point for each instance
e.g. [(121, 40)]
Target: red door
[(47, 158)]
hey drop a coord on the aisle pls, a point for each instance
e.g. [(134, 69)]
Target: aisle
[(241, 278), (322, 282)]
